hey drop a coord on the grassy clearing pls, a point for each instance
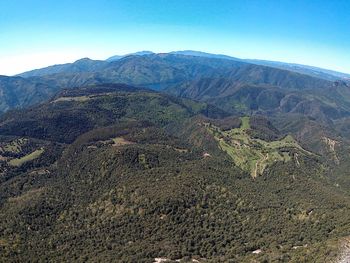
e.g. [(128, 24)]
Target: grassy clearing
[(254, 155), (79, 99), (14, 146), (245, 123), (119, 141), (26, 158)]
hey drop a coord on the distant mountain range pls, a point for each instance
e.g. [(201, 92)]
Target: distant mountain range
[(230, 83), (90, 65), (303, 69), (139, 53)]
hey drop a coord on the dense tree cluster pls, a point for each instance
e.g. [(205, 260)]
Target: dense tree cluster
[(125, 190)]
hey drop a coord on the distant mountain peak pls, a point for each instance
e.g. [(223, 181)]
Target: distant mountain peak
[(142, 53), (83, 60), (138, 53), (203, 54)]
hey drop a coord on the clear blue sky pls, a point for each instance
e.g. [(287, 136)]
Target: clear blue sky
[(39, 33)]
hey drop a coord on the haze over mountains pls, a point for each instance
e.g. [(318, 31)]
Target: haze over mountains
[(181, 156), (160, 71), (309, 70)]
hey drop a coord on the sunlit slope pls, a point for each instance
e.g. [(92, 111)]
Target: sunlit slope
[(253, 155)]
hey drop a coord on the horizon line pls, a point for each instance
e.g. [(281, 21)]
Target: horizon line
[(71, 61)]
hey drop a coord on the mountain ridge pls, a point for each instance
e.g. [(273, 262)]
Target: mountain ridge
[(309, 70), (175, 72)]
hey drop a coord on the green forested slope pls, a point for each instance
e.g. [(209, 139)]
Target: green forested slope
[(136, 175)]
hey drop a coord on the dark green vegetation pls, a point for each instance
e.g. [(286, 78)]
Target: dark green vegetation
[(113, 173), (80, 110)]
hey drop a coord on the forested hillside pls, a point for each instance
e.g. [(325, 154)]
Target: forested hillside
[(115, 172)]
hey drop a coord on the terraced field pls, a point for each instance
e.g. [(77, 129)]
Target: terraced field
[(254, 155)]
